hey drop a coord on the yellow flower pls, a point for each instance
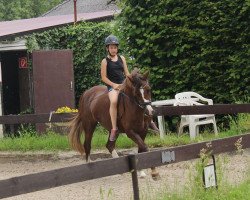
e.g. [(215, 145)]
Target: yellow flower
[(65, 109)]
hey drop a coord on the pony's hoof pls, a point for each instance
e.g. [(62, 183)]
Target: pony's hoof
[(155, 176), (114, 154), (110, 146), (141, 174)]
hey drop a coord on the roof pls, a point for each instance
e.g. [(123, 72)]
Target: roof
[(25, 26), (83, 6)]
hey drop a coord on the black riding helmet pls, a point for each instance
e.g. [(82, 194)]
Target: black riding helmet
[(111, 39)]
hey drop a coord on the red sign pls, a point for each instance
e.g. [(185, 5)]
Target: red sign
[(23, 63)]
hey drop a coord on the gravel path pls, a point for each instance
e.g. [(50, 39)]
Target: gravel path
[(114, 187)]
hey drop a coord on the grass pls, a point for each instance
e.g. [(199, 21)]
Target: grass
[(30, 141), (48, 142), (224, 192), (194, 189)]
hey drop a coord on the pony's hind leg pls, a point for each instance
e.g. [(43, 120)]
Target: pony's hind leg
[(89, 130), (114, 154), (111, 146)]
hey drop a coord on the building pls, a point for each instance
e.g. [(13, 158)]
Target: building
[(17, 81), (83, 6)]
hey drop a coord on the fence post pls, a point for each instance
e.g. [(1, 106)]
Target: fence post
[(133, 170)]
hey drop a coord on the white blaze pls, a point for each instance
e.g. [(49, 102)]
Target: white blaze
[(149, 107)]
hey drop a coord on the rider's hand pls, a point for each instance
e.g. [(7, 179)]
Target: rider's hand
[(116, 86)]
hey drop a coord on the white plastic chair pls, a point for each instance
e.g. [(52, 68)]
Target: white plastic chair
[(194, 121)]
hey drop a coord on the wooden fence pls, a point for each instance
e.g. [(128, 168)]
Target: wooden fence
[(158, 111), (132, 163)]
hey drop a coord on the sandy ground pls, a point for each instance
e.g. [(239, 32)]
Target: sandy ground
[(173, 176)]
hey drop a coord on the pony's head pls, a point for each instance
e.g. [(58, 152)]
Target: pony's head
[(138, 84)]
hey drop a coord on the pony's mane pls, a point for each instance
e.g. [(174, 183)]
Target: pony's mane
[(135, 76)]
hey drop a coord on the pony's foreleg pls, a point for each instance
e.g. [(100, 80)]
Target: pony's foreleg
[(142, 147)]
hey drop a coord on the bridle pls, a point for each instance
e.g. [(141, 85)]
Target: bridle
[(142, 105), (133, 100), (142, 89)]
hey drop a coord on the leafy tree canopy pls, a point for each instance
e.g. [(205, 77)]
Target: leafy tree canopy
[(23, 9)]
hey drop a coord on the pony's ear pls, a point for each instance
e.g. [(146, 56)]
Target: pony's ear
[(146, 74), (135, 71)]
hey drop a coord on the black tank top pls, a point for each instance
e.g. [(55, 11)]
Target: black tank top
[(115, 70)]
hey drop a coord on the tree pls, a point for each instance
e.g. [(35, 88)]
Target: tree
[(21, 9)]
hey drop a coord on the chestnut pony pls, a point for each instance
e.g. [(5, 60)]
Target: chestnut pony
[(132, 116)]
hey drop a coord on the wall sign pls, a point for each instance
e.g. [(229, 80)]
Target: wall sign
[(23, 63)]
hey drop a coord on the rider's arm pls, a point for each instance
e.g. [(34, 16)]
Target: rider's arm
[(125, 66), (104, 75)]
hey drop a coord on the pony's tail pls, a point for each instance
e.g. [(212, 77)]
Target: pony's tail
[(76, 129)]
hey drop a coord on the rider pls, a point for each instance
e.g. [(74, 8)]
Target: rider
[(113, 71)]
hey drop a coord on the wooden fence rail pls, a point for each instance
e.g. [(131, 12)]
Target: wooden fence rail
[(158, 111), (204, 109), (36, 118), (68, 175)]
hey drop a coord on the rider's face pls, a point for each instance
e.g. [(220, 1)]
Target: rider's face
[(112, 49)]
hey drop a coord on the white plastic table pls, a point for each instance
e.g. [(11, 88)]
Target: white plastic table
[(161, 121)]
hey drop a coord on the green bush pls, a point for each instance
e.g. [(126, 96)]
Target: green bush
[(200, 46)]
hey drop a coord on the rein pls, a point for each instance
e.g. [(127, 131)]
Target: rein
[(141, 105)]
